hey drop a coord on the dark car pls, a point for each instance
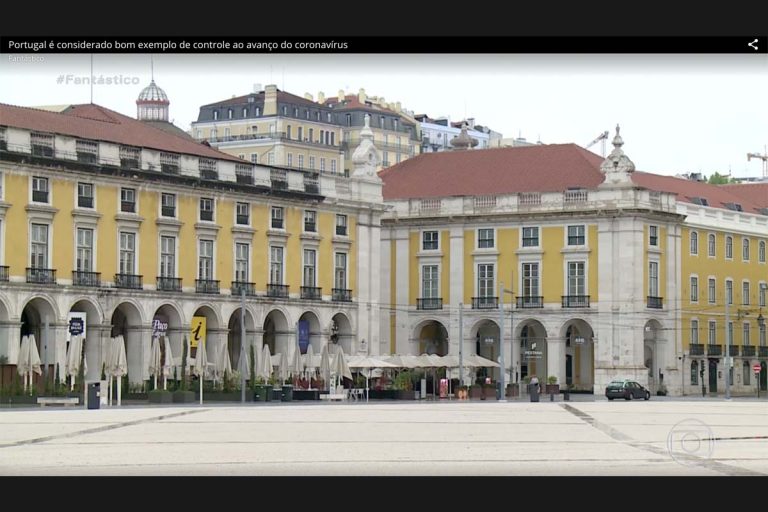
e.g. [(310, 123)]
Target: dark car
[(626, 389)]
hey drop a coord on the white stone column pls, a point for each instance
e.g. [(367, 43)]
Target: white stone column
[(385, 292), (456, 286), (93, 344), (555, 360), (10, 340), (402, 287), (368, 263)]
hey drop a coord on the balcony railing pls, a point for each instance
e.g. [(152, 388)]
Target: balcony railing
[(206, 215), (277, 290), (207, 286), (531, 301), (733, 350), (168, 211), (311, 292), (238, 286), (763, 352), (4, 273), (429, 303), (341, 230), (169, 284), (655, 302), (485, 302), (341, 294), (131, 281), (310, 227), (128, 206), (696, 349), (41, 275), (82, 278), (209, 175), (714, 350), (575, 301), (748, 351), (84, 202), (40, 196), (243, 220)]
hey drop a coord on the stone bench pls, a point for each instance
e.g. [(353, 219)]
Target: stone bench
[(57, 400), (335, 396)]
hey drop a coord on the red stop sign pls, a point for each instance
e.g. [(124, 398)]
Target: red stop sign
[(756, 368)]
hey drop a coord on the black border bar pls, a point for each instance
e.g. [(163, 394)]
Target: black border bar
[(382, 45)]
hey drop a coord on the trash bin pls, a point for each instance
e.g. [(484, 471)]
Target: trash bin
[(533, 391), (94, 395)]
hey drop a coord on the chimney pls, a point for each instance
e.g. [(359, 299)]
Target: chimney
[(308, 96), (341, 95), (398, 107), (361, 97), (256, 88), (270, 100), (471, 122), (321, 97)]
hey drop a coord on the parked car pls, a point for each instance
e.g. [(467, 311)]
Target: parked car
[(626, 389)]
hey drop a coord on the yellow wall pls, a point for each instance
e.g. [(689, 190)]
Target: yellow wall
[(225, 248), (445, 270), (16, 225), (414, 284), (392, 297), (187, 207), (107, 200), (552, 285), (592, 264), (147, 242), (469, 267), (352, 255), (507, 244), (63, 236)]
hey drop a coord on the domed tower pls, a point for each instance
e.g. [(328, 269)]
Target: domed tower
[(152, 104), (463, 140)]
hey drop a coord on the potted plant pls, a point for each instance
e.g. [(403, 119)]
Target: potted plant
[(260, 390), (553, 387), (160, 396), (513, 390), (404, 386)]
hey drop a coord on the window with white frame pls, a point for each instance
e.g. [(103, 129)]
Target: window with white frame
[(289, 160), (322, 164), (242, 262), (653, 278), (485, 239), (205, 261), (39, 189), (277, 218), (242, 214), (341, 224), (206, 208), (762, 335), (761, 251), (276, 265), (745, 333), (729, 291), (333, 165), (729, 247), (746, 370), (711, 290), (485, 280), (761, 292), (168, 205), (530, 279), (270, 158), (309, 277), (310, 221), (653, 235), (301, 161), (531, 237), (711, 245), (694, 289), (39, 246), (712, 335), (694, 332), (85, 195), (576, 278), (312, 162), (745, 293), (128, 200), (340, 271), (694, 243), (254, 158), (745, 249), (127, 252), (84, 250), (729, 334), (576, 235), (167, 256), (430, 241), (429, 281)]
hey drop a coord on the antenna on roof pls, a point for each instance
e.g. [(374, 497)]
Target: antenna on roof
[(152, 67), (91, 79)]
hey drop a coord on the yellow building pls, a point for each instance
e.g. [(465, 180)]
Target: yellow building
[(595, 261), (274, 127), (136, 228)]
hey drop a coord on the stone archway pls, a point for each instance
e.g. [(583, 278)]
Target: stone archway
[(579, 354), (235, 337), (92, 346), (36, 314), (487, 344), (533, 349), (168, 323), (211, 332), (651, 335), (276, 332), (341, 332), (127, 322)]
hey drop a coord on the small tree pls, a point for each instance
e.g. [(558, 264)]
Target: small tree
[(183, 383), (552, 379)]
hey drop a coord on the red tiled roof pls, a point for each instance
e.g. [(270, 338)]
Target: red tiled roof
[(283, 97), (544, 168), (754, 192), (716, 195), (95, 122)]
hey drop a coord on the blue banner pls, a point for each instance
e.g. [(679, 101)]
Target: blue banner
[(303, 335)]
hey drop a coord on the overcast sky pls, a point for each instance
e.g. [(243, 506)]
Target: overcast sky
[(677, 113)]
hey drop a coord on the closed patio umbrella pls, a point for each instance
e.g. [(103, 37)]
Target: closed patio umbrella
[(325, 366), (155, 359), (264, 366), (74, 359), (167, 368), (22, 362), (295, 365), (225, 363), (201, 366), (118, 364)]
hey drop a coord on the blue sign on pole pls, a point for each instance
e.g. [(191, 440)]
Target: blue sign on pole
[(76, 326), (303, 335)]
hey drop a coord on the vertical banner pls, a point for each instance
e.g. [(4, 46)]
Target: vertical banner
[(198, 331), (303, 335), (75, 325)]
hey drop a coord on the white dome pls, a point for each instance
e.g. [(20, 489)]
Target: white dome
[(153, 93)]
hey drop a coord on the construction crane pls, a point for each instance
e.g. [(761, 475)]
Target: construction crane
[(763, 157), (602, 137)]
